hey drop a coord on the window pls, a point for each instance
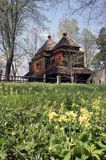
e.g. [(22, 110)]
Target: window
[(47, 62), (53, 62), (39, 66)]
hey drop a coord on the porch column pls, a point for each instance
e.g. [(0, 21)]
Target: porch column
[(58, 79), (72, 78), (44, 78)]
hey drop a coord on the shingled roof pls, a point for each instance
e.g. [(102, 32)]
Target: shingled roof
[(66, 42), (48, 46)]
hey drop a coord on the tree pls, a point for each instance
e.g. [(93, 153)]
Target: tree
[(101, 40), (101, 43), (32, 41), (95, 9), (13, 15), (71, 61), (2, 62), (69, 26), (88, 42)]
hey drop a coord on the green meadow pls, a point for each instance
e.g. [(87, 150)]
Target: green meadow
[(41, 121)]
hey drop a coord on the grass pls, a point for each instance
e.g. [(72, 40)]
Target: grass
[(28, 121)]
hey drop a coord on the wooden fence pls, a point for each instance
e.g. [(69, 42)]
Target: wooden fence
[(23, 79)]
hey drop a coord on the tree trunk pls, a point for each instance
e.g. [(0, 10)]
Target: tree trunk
[(10, 57), (14, 71), (71, 75), (8, 68), (0, 75)]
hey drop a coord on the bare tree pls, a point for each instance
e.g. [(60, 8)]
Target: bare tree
[(16, 66), (13, 15), (72, 60), (70, 27), (32, 42), (88, 42), (94, 8)]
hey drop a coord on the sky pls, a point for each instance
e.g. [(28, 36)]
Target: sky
[(55, 15)]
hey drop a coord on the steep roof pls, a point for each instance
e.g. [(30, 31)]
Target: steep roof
[(66, 42), (48, 45)]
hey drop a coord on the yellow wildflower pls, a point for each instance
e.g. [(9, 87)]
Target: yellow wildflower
[(52, 115), (96, 103), (63, 118), (84, 111), (57, 127), (74, 104), (87, 125), (84, 121), (71, 114), (84, 117), (62, 106), (50, 148)]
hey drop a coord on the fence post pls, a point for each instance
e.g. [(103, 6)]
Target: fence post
[(72, 78), (11, 78), (44, 78), (0, 74), (58, 79)]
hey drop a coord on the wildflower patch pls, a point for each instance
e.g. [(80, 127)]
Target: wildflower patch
[(52, 122)]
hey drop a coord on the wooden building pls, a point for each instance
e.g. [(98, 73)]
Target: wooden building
[(63, 58)]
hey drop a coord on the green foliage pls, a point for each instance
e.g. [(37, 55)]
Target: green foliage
[(52, 122), (68, 156), (101, 40), (101, 43)]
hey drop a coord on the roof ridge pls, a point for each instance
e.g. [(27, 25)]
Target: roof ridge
[(66, 41), (47, 46)]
